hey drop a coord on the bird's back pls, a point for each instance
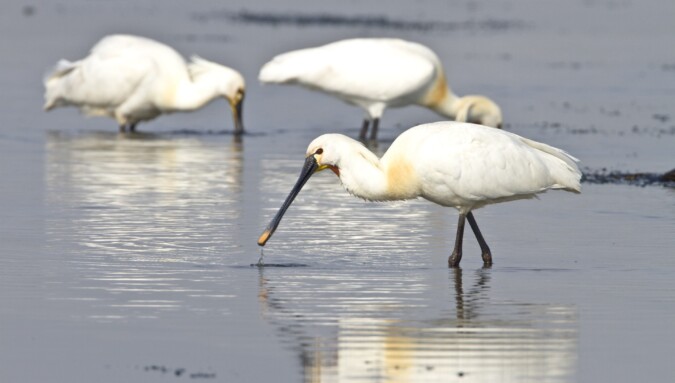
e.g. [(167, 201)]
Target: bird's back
[(139, 48), (468, 166), (368, 69), (112, 73)]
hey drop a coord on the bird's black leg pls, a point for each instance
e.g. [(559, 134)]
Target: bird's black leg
[(485, 250), (373, 131), (364, 129), (132, 127), (456, 256)]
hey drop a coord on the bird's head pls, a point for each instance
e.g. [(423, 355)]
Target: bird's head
[(325, 152), (226, 81), (479, 110)]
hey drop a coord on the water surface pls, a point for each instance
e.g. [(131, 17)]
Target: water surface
[(128, 257)]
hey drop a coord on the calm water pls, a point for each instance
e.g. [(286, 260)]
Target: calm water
[(127, 258)]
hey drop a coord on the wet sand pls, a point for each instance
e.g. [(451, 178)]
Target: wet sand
[(128, 257)]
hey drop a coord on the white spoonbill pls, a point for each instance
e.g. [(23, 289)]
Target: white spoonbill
[(133, 79), (376, 73), (454, 164)]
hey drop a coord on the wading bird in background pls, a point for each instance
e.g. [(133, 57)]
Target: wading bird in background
[(376, 73), (453, 164), (133, 79)]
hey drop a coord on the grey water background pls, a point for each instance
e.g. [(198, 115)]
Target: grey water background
[(126, 258)]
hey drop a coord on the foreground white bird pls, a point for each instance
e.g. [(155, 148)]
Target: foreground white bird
[(133, 79), (379, 73), (453, 164)]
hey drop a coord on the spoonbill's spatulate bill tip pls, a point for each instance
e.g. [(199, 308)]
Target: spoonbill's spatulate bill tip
[(453, 164), (262, 240)]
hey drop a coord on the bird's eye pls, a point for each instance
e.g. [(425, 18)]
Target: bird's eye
[(319, 151)]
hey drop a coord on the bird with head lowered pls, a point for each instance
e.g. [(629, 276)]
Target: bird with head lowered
[(133, 79), (453, 164), (378, 73)]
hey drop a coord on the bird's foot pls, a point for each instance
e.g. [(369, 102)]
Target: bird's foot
[(454, 259), (487, 259)]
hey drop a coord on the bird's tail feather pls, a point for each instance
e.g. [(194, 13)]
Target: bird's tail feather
[(62, 68), (287, 68), (271, 73), (563, 166)]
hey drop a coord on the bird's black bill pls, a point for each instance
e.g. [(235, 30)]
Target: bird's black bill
[(307, 170), (237, 111)]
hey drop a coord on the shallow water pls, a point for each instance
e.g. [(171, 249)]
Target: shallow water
[(129, 257)]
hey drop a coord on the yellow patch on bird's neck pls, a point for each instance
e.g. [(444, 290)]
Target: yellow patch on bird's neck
[(334, 168), (168, 95), (437, 92), (402, 180)]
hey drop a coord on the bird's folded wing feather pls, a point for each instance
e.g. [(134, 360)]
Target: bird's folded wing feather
[(106, 81), (481, 163), (367, 72)]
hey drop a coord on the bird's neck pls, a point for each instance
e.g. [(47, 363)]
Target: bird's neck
[(440, 98), (448, 105), (367, 177), (190, 95)]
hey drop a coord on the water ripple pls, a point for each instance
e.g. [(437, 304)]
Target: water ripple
[(325, 224), (397, 326), (141, 216)]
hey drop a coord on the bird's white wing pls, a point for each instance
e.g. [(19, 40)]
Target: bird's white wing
[(114, 70), (368, 69), (105, 82), (485, 164)]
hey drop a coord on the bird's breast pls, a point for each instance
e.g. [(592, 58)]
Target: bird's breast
[(402, 180)]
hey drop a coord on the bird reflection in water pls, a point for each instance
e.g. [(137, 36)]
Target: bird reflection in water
[(365, 327), (168, 202), (466, 310), (138, 190)]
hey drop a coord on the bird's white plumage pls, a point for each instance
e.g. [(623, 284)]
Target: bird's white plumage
[(133, 79), (360, 71), (453, 164), (376, 73)]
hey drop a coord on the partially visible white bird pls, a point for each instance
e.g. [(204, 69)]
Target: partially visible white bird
[(133, 79), (376, 73), (460, 165)]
